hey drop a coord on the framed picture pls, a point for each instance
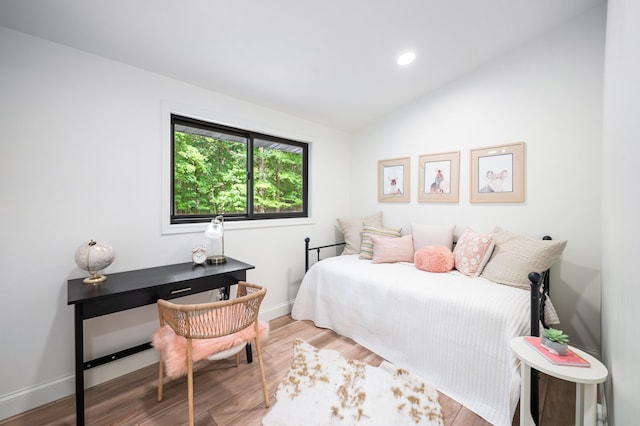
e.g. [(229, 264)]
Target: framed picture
[(393, 180), (497, 174), (439, 177)]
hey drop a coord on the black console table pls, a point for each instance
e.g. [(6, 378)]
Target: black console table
[(127, 290)]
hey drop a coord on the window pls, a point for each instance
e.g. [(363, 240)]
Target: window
[(239, 174)]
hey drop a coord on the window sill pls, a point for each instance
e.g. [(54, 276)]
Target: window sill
[(192, 228)]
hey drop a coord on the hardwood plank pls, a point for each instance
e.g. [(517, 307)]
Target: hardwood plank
[(556, 409), (226, 395), (468, 418), (450, 409)]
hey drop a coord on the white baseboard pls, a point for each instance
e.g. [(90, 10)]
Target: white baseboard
[(35, 396), (276, 311)]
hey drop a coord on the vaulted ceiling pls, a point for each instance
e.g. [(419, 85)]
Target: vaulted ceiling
[(332, 61)]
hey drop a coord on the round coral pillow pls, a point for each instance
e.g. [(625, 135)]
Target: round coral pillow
[(434, 259)]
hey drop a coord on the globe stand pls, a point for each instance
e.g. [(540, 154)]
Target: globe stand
[(95, 279), (93, 257)]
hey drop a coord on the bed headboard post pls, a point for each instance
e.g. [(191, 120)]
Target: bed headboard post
[(547, 290), (534, 279), (307, 249)]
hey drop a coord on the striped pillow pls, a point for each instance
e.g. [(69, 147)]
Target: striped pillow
[(366, 249)]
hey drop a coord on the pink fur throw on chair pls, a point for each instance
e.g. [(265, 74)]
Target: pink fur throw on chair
[(173, 348), (434, 259)]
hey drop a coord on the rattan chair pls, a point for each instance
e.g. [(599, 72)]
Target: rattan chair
[(232, 323)]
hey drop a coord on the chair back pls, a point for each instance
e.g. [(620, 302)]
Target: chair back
[(214, 319)]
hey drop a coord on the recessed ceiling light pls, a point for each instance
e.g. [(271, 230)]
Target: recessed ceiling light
[(406, 58)]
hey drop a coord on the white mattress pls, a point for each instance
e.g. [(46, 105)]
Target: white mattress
[(451, 330)]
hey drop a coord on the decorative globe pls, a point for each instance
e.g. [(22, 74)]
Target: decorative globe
[(94, 256)]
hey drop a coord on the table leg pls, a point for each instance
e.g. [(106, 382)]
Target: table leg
[(579, 404), (249, 353), (586, 404), (525, 395), (79, 363)]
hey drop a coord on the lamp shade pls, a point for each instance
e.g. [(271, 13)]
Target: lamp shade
[(215, 234), (214, 230)]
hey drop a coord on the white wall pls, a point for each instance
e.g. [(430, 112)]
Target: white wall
[(547, 93), (620, 211), (81, 158)]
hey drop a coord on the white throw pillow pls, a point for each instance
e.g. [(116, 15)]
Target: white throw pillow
[(352, 231), (432, 235)]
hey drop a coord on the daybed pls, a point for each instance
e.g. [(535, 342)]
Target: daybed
[(452, 329)]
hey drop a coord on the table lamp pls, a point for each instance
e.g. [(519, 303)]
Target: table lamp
[(215, 234)]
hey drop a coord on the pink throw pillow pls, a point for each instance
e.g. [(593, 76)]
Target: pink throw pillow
[(434, 259), (389, 250), (472, 252)]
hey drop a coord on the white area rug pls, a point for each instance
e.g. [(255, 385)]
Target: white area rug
[(324, 388)]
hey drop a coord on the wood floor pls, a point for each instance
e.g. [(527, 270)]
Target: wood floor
[(226, 395)]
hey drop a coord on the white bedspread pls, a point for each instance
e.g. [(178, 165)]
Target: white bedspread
[(451, 330)]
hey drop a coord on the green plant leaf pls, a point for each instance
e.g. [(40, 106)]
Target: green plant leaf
[(556, 335)]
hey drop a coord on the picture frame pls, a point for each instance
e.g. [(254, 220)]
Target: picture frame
[(394, 180), (439, 177), (497, 174)]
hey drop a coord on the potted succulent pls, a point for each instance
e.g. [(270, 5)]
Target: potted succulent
[(555, 341)]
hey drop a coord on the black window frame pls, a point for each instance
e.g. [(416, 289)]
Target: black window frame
[(250, 136)]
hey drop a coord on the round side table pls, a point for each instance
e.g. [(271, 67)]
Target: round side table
[(585, 378)]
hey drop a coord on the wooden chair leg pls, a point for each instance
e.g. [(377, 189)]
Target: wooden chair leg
[(260, 363), (190, 382), (160, 378)]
